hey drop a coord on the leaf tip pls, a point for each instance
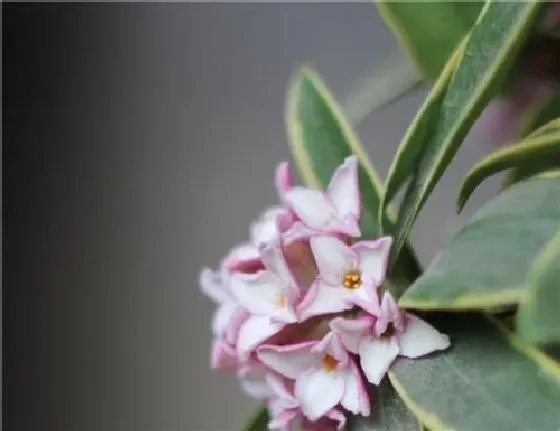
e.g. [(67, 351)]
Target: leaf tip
[(303, 73), (462, 199), (306, 73)]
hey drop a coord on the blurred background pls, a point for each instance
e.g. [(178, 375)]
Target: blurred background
[(140, 142)]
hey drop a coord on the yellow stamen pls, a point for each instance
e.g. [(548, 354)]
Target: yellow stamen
[(281, 301), (329, 363), (352, 279)]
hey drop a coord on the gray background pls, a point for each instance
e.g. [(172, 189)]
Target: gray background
[(140, 143)]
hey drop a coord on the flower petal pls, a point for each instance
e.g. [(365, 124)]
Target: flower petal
[(390, 313), (332, 345), (366, 298), (376, 356), (349, 225), (355, 397), (333, 258), (284, 180), (318, 392), (263, 294), (222, 316), (281, 419), (274, 259), (322, 298), (212, 285), (222, 356), (290, 360), (372, 258), (255, 331), (351, 331), (312, 207), (282, 401), (343, 190), (298, 231), (337, 416), (245, 258), (236, 320), (420, 338), (271, 223), (264, 230), (333, 420), (254, 382), (278, 386)]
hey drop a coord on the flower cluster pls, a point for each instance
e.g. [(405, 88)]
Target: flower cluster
[(300, 313)]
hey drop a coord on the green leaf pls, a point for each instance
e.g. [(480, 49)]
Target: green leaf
[(258, 421), (416, 135), (547, 113), (388, 413), (320, 139), (538, 319), (543, 147), (488, 380), (486, 263), (553, 126), (493, 43), (429, 31)]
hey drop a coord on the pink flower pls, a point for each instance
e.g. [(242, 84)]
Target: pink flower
[(283, 405), (228, 317), (378, 340), (272, 221), (335, 211), (333, 420), (223, 356), (325, 375), (285, 410), (276, 219), (345, 274), (284, 181), (253, 378), (268, 295), (244, 257), (277, 296)]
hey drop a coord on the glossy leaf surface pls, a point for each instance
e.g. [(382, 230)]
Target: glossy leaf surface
[(493, 43), (489, 380), (485, 264)]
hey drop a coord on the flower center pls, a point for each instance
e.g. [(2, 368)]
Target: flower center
[(281, 301), (389, 331), (329, 363), (352, 279)]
